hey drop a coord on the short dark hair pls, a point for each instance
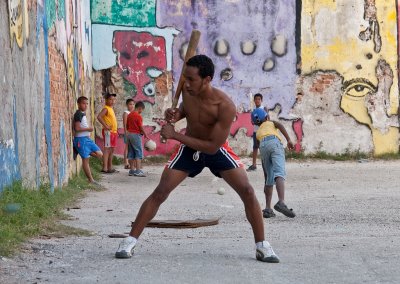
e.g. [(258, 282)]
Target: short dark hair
[(204, 64), (139, 104), (258, 95), (128, 101), (81, 99), (109, 95)]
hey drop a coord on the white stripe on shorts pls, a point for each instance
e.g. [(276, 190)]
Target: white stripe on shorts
[(226, 154), (174, 160)]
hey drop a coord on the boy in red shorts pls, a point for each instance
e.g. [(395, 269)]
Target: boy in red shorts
[(107, 118)]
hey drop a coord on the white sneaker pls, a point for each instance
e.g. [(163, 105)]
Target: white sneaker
[(266, 253), (139, 173), (125, 249)]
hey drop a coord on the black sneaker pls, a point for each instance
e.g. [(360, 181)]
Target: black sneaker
[(281, 207), (251, 168), (268, 213)]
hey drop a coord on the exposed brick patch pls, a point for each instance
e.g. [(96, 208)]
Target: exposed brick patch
[(321, 82), (62, 102)]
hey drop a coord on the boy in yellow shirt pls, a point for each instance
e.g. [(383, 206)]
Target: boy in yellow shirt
[(110, 132), (273, 163)]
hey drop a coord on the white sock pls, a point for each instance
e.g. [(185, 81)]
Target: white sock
[(132, 239), (262, 244)]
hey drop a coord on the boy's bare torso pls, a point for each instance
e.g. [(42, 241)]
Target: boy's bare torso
[(203, 115)]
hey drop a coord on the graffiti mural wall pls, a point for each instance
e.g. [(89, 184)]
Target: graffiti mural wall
[(46, 53), (362, 58), (327, 69)]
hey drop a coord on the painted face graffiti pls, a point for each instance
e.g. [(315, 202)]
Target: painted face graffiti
[(362, 57), (141, 58)]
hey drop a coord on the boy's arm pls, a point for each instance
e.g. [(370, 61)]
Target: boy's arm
[(101, 120), (143, 132), (284, 132), (124, 119), (173, 115), (266, 111), (79, 128)]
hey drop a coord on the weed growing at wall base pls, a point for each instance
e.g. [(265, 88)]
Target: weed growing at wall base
[(28, 213)]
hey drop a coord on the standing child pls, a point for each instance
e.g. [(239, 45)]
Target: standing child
[(135, 131), (130, 105), (273, 163), (107, 118), (259, 112), (82, 142)]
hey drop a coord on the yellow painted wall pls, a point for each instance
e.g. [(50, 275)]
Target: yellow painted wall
[(329, 44)]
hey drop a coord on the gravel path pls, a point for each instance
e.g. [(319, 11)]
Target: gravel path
[(347, 230)]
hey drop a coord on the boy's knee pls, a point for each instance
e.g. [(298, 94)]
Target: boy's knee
[(247, 192), (159, 196)]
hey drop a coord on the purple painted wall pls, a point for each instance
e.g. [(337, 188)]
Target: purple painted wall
[(239, 36)]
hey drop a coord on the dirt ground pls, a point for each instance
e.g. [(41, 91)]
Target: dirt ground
[(347, 230)]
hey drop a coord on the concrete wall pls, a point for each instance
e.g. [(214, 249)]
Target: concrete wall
[(327, 69), (45, 48)]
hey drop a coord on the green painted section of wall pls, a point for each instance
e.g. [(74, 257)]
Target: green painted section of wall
[(51, 9), (135, 13), (61, 9)]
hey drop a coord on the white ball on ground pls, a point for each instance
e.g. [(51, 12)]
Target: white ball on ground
[(150, 145), (221, 191)]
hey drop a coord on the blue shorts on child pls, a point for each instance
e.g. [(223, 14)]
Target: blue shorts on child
[(273, 159), (135, 148), (85, 146)]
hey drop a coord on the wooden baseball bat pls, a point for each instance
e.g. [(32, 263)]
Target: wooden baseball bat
[(190, 52)]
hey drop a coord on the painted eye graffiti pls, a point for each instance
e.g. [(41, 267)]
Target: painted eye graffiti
[(358, 88), (149, 89)]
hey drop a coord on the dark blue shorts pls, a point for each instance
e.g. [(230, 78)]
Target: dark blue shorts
[(193, 162)]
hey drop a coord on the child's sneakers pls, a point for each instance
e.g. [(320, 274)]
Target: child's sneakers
[(139, 173), (281, 207), (265, 253)]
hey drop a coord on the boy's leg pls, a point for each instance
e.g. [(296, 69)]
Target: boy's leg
[(281, 206), (110, 158), (105, 159), (280, 188), (132, 164), (86, 169), (170, 179), (97, 154), (253, 166), (268, 189), (255, 152), (238, 180), (126, 163), (138, 164)]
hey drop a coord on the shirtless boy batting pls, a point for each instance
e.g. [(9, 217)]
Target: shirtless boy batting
[(209, 113)]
